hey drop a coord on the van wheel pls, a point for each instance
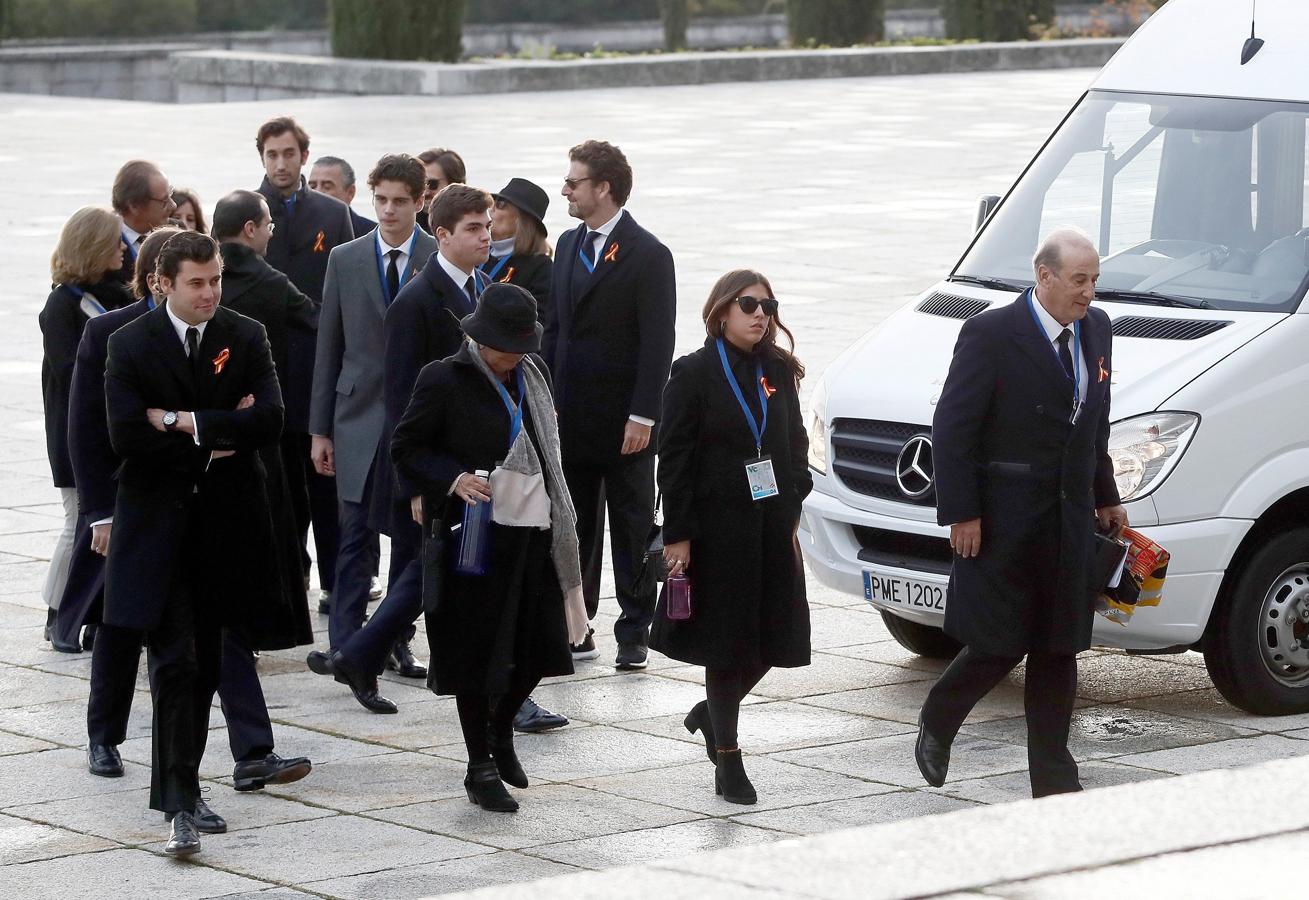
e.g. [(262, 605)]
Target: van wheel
[(924, 640), (1258, 651)]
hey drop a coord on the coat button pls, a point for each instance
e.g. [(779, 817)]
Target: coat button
[(1063, 495), (1040, 408)]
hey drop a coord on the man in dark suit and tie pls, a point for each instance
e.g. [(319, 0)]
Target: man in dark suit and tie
[(191, 395), (609, 343), (306, 226), (143, 199), (1023, 478), (117, 651), (347, 419)]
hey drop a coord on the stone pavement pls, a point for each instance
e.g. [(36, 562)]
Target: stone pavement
[(852, 196)]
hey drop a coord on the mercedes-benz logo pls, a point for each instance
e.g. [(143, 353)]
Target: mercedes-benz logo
[(913, 467)]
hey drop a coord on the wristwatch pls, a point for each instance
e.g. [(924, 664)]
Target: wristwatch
[(170, 420)]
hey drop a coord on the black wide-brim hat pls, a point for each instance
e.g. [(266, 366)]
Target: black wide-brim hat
[(505, 320), (527, 196)]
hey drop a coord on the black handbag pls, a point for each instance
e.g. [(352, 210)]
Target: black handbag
[(653, 566), (433, 563)]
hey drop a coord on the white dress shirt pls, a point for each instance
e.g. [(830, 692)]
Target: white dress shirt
[(180, 327), (1053, 329), (402, 260), (600, 235), (131, 236), (457, 275)]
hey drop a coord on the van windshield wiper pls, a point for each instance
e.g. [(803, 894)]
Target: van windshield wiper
[(995, 284), (1153, 299)]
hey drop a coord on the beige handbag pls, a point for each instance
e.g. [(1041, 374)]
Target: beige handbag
[(519, 496)]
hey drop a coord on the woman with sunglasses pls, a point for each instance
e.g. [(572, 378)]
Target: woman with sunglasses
[(733, 473), (520, 253)]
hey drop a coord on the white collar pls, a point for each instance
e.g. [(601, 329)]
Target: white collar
[(1049, 324), (180, 327), (387, 248), (457, 275), (608, 227), (130, 234)]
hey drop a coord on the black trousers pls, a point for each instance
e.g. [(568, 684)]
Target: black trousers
[(393, 620), (313, 502), (114, 662), (626, 490), (1048, 698)]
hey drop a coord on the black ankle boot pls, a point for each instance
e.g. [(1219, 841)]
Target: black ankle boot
[(49, 622), (484, 788), (698, 720), (506, 759), (730, 780)]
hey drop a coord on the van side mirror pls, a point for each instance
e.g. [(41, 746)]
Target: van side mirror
[(986, 205)]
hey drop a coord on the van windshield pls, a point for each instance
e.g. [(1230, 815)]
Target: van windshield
[(1192, 201)]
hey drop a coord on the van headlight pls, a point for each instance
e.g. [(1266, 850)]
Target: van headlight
[(818, 426), (1145, 449)]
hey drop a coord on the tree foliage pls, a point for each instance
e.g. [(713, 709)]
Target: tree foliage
[(995, 20), (398, 29), (835, 23)]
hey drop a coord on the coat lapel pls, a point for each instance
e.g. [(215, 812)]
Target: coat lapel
[(212, 345), (1095, 346), (1031, 339), (615, 249), (171, 350)]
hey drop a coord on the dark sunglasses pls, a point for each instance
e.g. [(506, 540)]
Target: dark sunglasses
[(433, 184), (750, 304)]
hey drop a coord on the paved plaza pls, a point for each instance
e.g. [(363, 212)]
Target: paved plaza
[(852, 196)]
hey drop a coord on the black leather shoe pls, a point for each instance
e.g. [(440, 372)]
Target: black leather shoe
[(532, 718), (320, 663), (49, 622), (51, 635), (184, 838), (253, 774), (103, 760), (88, 636), (402, 662), (932, 755), (730, 780), (207, 821), (363, 686), (698, 720), (630, 656), (484, 788), (506, 759)]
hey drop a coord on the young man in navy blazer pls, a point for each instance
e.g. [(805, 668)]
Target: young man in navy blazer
[(609, 343)]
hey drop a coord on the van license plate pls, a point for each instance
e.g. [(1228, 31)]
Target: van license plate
[(892, 590)]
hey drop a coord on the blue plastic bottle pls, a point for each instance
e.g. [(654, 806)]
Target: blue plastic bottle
[(475, 537)]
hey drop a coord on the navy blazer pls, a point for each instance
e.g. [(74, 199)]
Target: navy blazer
[(610, 346)]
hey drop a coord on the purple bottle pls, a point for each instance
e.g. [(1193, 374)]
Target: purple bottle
[(678, 601)]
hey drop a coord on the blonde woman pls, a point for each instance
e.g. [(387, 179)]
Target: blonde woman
[(89, 253)]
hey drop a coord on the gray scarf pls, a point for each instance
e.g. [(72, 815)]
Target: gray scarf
[(563, 518)]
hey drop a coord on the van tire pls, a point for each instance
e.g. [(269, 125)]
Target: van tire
[(925, 640), (1234, 655)]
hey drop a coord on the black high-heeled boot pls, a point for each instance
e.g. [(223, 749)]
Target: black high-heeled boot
[(49, 622), (698, 720), (730, 780), (506, 758), (484, 788)]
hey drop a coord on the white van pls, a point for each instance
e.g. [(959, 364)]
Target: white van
[(1190, 170)]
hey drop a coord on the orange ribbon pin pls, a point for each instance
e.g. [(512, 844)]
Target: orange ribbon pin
[(1104, 373), (769, 390), (221, 360), (318, 243), (508, 276), (611, 255)]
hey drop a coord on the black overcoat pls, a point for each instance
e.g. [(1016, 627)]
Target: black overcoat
[(609, 343), (530, 272), (94, 466), (749, 606), (421, 326), (1005, 452), (301, 242), (510, 620), (168, 487), (62, 320)]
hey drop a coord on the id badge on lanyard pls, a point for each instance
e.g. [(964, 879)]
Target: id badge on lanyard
[(759, 474)]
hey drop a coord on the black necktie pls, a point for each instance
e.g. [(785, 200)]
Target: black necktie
[(193, 349), (470, 288), (140, 239), (591, 243), (392, 275), (1065, 356)]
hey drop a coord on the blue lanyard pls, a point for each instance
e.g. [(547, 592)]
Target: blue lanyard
[(381, 266), (495, 270), (131, 248), (756, 428), (81, 295), (1077, 351), (515, 412), (584, 255)]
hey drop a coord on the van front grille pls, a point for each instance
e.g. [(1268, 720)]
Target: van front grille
[(864, 453), (952, 306)]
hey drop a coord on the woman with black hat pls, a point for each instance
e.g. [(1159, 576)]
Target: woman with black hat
[(520, 253), (489, 408)]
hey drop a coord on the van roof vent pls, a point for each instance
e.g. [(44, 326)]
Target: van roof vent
[(952, 306), (1165, 329)]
